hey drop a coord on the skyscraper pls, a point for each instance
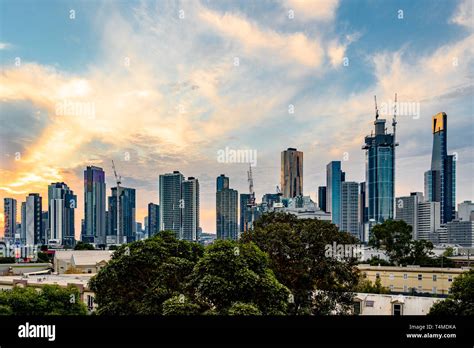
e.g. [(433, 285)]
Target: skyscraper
[(226, 209), (32, 220), (406, 209), (380, 172), (291, 174), (153, 224), (245, 212), (466, 211), (440, 180), (61, 205), (333, 191), (349, 207), (322, 198), (171, 202), (9, 214), (127, 206), (363, 213), (94, 205), (428, 219), (190, 210)]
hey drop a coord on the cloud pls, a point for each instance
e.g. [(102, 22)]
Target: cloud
[(306, 10), (266, 43), (5, 46), (463, 15)]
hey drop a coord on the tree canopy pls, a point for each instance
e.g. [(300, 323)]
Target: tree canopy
[(50, 300), (461, 299), (297, 250)]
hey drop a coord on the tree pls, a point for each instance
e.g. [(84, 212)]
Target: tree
[(83, 246), (319, 283), (50, 300), (234, 278), (142, 275), (394, 237), (43, 258), (366, 286), (180, 305), (449, 252), (461, 299), (420, 253), (7, 260)]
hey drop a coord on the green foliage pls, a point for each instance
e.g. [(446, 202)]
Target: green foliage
[(7, 260), (297, 251), (461, 299), (231, 273), (142, 275), (394, 237), (375, 261), (240, 308), (449, 252), (43, 258), (366, 286), (83, 246), (50, 300), (113, 247), (180, 305)]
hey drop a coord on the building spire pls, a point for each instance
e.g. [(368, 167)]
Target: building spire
[(376, 108)]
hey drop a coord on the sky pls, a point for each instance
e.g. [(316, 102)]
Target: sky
[(159, 86)]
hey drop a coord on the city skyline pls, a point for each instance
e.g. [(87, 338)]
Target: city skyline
[(159, 110)]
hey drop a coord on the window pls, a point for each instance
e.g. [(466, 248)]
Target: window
[(377, 275), (434, 290), (420, 288), (369, 303), (405, 288), (450, 278), (90, 302), (434, 277), (357, 308), (405, 276), (397, 309), (391, 287), (391, 276), (420, 277)]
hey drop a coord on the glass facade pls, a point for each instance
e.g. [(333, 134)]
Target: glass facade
[(333, 191)]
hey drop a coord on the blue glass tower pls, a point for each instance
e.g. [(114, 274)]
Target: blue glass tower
[(440, 180), (380, 172), (334, 177)]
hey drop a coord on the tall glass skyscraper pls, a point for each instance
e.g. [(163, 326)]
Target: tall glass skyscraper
[(349, 207), (61, 205), (153, 219), (171, 203), (322, 198), (94, 205), (32, 221), (291, 174), (226, 209), (380, 172), (333, 191), (190, 210), (440, 180), (245, 212), (127, 204), (9, 214)]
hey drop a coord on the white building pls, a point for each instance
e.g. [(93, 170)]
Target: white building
[(386, 304), (83, 261)]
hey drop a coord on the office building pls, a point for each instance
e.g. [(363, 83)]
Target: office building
[(333, 191), (152, 226), (349, 207), (406, 209), (94, 206), (269, 199), (9, 215), (246, 212), (322, 198), (461, 233), (190, 210), (61, 206), (171, 203), (127, 216), (226, 210), (291, 174), (428, 217), (32, 220), (363, 214), (466, 211), (380, 172), (440, 180)]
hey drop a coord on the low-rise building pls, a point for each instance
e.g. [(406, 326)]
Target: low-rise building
[(389, 304), (413, 279), (81, 261), (63, 280)]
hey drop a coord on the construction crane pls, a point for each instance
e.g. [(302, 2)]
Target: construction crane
[(395, 144), (118, 180)]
